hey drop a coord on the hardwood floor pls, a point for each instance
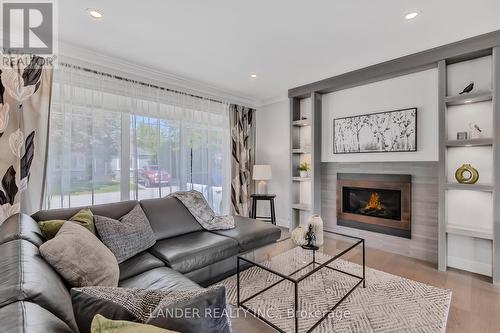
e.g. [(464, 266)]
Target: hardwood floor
[(475, 305)]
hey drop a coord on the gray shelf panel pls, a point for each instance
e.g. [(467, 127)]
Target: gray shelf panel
[(301, 123), (470, 142), (301, 206), (469, 231), (300, 151), (469, 98), (469, 187), (301, 179)]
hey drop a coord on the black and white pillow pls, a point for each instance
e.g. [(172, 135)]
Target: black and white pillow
[(128, 236), (193, 311), (162, 308)]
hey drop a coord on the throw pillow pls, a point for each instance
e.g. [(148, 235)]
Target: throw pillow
[(116, 303), (101, 324), (51, 227), (80, 258), (128, 236), (193, 311)]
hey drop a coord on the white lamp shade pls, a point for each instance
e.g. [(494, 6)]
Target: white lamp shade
[(262, 172)]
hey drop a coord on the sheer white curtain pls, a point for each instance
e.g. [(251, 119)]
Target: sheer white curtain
[(113, 139)]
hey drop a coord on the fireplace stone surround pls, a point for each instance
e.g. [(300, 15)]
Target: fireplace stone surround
[(423, 243)]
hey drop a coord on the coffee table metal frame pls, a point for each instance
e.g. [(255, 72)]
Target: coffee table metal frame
[(301, 278)]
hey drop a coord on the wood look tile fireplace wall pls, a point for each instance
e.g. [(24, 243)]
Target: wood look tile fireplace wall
[(375, 202)]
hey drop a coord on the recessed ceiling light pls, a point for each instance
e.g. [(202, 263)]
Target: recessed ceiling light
[(95, 13), (411, 16), (253, 76)]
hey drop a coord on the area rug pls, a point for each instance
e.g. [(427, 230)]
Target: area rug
[(389, 303)]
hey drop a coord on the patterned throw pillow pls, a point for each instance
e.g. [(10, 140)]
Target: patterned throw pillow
[(149, 306), (101, 324), (128, 236), (51, 227)]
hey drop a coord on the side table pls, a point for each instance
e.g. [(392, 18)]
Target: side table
[(263, 197)]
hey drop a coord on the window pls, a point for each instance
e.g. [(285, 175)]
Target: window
[(113, 140)]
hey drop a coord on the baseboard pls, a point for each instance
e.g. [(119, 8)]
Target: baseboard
[(470, 266)]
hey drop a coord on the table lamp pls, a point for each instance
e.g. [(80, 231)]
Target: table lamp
[(262, 172)]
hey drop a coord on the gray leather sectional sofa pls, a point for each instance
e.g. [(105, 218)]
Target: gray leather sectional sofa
[(34, 298)]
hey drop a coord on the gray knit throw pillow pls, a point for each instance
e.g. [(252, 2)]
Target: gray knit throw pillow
[(128, 236)]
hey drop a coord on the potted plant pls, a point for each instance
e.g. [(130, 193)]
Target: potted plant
[(303, 169)]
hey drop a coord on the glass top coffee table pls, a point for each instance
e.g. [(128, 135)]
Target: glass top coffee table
[(301, 269)]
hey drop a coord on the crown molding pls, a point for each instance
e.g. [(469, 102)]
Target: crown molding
[(115, 65)]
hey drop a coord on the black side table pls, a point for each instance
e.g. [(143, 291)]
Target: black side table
[(265, 197)]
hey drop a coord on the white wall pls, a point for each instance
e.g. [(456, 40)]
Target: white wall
[(273, 147), (413, 90)]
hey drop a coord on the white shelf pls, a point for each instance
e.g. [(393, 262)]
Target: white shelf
[(301, 123), (470, 142), (301, 206), (301, 151), (469, 187), (469, 98), (301, 179), (469, 231)]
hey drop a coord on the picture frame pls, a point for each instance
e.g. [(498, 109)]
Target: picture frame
[(380, 132)]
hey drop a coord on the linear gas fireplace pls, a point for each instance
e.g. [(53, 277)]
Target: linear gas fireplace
[(379, 203)]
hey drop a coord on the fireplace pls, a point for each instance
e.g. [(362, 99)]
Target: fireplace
[(379, 203)]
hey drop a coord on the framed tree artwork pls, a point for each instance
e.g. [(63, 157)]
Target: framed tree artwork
[(392, 131)]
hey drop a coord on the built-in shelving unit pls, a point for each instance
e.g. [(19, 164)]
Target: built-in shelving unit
[(305, 137), (469, 215), (467, 211)]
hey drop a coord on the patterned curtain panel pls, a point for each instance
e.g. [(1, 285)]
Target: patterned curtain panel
[(25, 91), (243, 157)]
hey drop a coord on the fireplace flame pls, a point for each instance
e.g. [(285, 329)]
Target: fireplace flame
[(374, 202)]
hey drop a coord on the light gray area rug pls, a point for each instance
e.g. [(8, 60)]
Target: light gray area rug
[(389, 303)]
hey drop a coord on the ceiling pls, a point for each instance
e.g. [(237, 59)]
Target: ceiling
[(287, 43)]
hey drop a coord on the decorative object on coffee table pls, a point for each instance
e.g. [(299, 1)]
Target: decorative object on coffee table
[(310, 239), (299, 236), (462, 135), (262, 172), (316, 223), (265, 197), (303, 169), (467, 174)]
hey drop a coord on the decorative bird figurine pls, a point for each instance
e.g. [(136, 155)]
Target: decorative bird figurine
[(474, 127), (468, 89)]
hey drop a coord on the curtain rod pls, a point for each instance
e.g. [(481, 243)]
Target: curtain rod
[(138, 82)]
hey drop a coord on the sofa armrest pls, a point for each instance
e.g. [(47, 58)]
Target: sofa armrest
[(21, 226)]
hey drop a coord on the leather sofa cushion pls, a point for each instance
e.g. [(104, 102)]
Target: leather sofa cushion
[(27, 277), (163, 278), (29, 317), (194, 250), (138, 264), (21, 226), (112, 210), (251, 234), (169, 217)]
